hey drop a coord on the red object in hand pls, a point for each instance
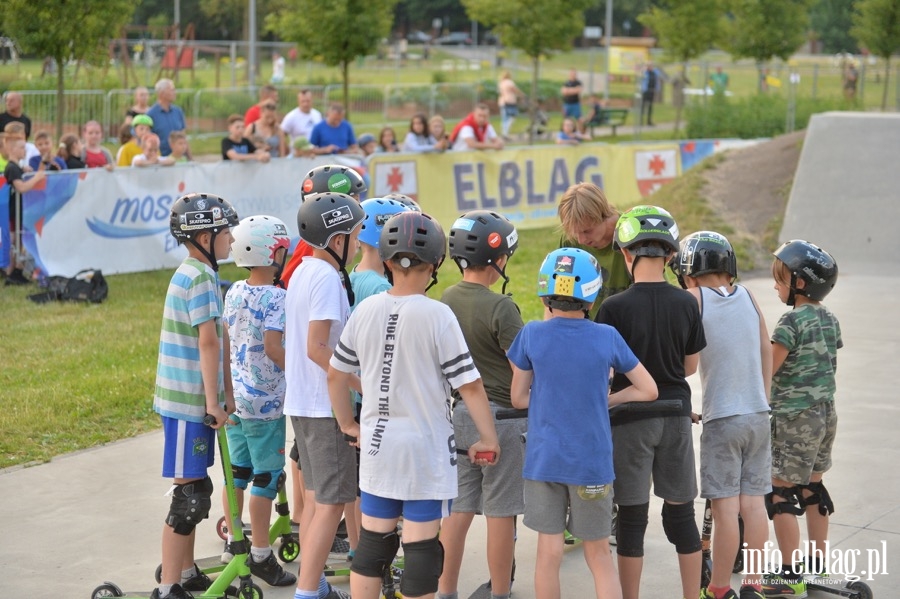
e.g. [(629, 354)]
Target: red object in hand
[(490, 456)]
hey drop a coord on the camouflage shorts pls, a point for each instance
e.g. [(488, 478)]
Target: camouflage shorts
[(801, 443)]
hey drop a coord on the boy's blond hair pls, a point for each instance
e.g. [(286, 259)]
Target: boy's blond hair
[(583, 205), (176, 136), (14, 129), (41, 135)]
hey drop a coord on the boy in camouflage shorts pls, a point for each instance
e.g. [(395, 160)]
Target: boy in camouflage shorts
[(804, 349)]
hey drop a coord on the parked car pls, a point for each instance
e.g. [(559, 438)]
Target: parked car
[(456, 38), (418, 37)]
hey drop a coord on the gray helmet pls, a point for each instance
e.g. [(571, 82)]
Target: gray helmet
[(811, 263), (334, 178), (405, 200), (481, 237), (195, 213), (413, 233), (323, 215)]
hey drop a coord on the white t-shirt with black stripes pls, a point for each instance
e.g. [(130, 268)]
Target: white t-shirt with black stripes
[(410, 351)]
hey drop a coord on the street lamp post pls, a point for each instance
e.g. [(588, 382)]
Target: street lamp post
[(609, 24)]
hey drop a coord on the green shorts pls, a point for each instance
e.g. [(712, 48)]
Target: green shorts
[(801, 443), (259, 445)]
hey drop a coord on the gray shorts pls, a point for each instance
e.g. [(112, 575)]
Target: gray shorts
[(328, 462), (552, 508), (657, 450), (494, 491), (801, 444), (736, 456)]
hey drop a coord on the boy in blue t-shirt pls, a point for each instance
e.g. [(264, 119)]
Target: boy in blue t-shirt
[(254, 321), (568, 418), (191, 382), (367, 278)]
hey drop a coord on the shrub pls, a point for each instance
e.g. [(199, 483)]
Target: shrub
[(753, 116)]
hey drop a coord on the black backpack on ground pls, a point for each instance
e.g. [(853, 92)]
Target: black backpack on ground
[(88, 285)]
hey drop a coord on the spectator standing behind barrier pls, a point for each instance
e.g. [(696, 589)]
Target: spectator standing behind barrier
[(387, 140), (568, 134), (268, 128), (150, 156), (93, 154), (571, 96), (334, 135), (368, 145), (14, 113), (277, 68), (141, 125), (438, 130), (851, 76), (650, 84), (16, 130), (508, 95), (167, 117), (475, 131), (46, 158), (237, 147), (15, 177), (178, 143), (418, 138), (69, 151), (268, 94), (299, 122), (141, 104)]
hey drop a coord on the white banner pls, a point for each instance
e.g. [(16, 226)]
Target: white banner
[(118, 221)]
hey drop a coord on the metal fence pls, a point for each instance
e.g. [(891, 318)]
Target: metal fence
[(207, 110)]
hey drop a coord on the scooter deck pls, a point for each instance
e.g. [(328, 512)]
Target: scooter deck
[(337, 567)]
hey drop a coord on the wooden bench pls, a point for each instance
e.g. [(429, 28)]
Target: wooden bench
[(609, 117)]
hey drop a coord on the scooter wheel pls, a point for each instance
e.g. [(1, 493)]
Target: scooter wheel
[(222, 529), (289, 550), (252, 591), (862, 590), (107, 589), (158, 574)]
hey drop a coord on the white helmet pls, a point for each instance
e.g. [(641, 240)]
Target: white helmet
[(256, 239)]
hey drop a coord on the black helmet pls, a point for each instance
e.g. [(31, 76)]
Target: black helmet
[(812, 264), (323, 215), (480, 237), (701, 253), (405, 200), (332, 177), (194, 213), (646, 223), (413, 233)]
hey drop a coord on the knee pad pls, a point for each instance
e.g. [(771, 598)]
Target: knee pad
[(190, 504), (423, 567), (790, 505), (267, 484), (242, 475), (819, 496), (680, 526), (375, 552), (632, 525)]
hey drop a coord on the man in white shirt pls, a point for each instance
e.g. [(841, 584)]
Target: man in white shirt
[(300, 121), (475, 131)]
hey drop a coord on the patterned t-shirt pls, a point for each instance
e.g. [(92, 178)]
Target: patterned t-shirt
[(250, 311), (193, 298), (812, 336)]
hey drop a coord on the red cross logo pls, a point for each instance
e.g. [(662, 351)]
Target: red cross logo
[(395, 179), (657, 165)]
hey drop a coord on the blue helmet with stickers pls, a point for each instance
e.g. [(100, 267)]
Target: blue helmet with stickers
[(378, 211), (570, 274)]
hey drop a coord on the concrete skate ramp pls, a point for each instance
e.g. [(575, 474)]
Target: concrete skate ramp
[(846, 192)]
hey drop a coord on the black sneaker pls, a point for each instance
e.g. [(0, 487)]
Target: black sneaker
[(16, 278), (177, 592), (198, 582), (270, 571), (334, 593)]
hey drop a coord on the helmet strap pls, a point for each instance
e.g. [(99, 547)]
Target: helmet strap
[(794, 290), (342, 267), (209, 255), (434, 278), (502, 272), (279, 268)]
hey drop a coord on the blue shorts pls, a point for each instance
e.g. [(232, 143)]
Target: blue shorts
[(259, 445), (188, 449), (419, 510), (572, 110)]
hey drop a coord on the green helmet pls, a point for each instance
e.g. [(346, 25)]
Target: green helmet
[(643, 224)]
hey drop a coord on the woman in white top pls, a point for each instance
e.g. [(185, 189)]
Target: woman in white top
[(418, 139)]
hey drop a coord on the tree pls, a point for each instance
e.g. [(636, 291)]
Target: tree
[(672, 18), (537, 27), (338, 31), (764, 29), (831, 21), (65, 30), (876, 24)]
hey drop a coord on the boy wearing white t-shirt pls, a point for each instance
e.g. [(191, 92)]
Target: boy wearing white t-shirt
[(410, 351)]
